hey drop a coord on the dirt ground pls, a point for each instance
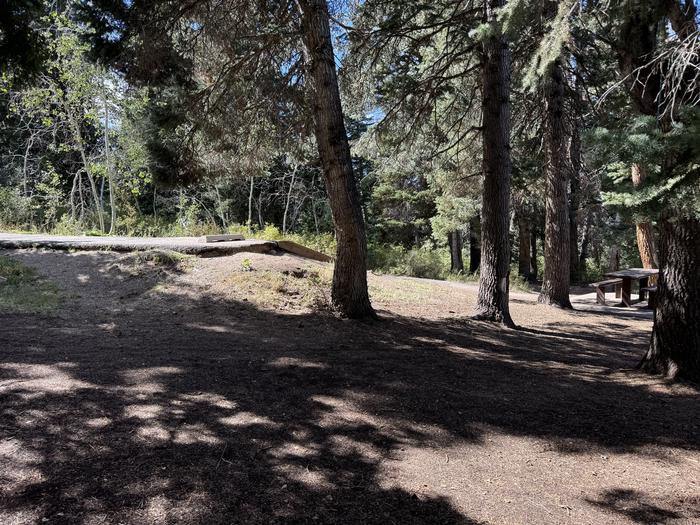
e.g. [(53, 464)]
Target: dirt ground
[(220, 391)]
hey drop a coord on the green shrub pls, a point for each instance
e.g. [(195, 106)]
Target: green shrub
[(322, 242), (593, 272), (426, 262), (67, 226), (517, 282), (166, 258), (15, 209), (22, 290)]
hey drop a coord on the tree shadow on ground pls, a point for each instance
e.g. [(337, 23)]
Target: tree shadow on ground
[(198, 409), (640, 508)]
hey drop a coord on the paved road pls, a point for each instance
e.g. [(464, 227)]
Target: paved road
[(188, 245)]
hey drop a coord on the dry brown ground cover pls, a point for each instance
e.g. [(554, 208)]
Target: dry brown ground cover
[(214, 391)]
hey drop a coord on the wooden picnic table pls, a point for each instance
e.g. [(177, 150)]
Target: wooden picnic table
[(633, 274)]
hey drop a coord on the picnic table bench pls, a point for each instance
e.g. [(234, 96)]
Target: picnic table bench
[(633, 274), (652, 291), (603, 286)]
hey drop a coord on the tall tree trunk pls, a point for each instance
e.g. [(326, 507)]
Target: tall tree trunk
[(555, 284), (223, 216), (614, 258), (675, 344), (574, 201), (250, 203), (77, 136), (454, 240), (110, 170), (349, 293), (259, 207), (287, 201), (155, 196), (474, 244), (533, 255), (492, 301), (73, 207), (646, 245), (524, 245), (585, 242), (25, 165), (313, 210), (645, 230)]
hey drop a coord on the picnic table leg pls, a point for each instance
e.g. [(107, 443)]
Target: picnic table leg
[(651, 305), (627, 291), (643, 283), (600, 295), (618, 291)]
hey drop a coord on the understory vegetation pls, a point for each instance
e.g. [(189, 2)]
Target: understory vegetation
[(90, 150), (22, 290)]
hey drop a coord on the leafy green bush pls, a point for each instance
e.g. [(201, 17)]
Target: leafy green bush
[(15, 210), (592, 271), (22, 290), (426, 262), (166, 258), (517, 282), (322, 242), (67, 226)]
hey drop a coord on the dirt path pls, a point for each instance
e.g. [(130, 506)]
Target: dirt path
[(202, 396)]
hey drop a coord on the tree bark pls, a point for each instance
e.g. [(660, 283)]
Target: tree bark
[(110, 169), (524, 246), (25, 165), (250, 203), (474, 244), (614, 258), (287, 201), (454, 240), (77, 136), (645, 242), (349, 293), (674, 350), (533, 255), (259, 207), (675, 344), (155, 210), (645, 230), (555, 284), (492, 300), (585, 243), (574, 201)]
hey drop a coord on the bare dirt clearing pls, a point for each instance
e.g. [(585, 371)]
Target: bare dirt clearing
[(211, 391)]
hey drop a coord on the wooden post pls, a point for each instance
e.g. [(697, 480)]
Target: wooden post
[(627, 291), (643, 283), (600, 295)]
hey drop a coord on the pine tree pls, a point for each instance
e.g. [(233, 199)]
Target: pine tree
[(441, 73), (296, 81), (664, 89)]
